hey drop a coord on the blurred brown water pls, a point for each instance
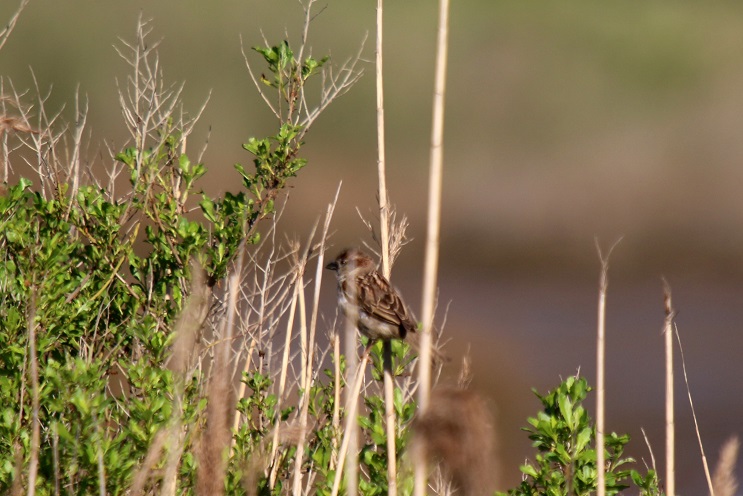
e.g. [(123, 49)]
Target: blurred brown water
[(564, 122)]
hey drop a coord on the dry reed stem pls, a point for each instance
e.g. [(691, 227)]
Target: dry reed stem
[(282, 374), (33, 464), (336, 339), (217, 438), (308, 360), (694, 414), (389, 414), (150, 459), (433, 225), (670, 422), (354, 369), (724, 481), (434, 205), (187, 330), (16, 488), (601, 366), (389, 385), (351, 407)]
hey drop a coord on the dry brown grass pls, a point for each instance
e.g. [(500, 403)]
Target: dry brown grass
[(724, 481), (457, 431)]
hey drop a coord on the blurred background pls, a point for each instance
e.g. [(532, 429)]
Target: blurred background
[(566, 122)]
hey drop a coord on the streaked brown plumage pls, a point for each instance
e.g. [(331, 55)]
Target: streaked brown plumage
[(367, 296)]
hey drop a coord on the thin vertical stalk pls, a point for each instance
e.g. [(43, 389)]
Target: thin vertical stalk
[(389, 413), (33, 465), (336, 397), (389, 385), (345, 454), (381, 159), (434, 206), (282, 383), (600, 374), (433, 224), (670, 481), (348, 453), (309, 373), (601, 367)]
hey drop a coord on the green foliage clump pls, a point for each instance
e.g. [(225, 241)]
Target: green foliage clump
[(92, 285), (565, 464)]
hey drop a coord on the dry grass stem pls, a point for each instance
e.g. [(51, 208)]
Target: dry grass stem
[(308, 361), (724, 481), (217, 437), (153, 455), (345, 454), (650, 450), (694, 414), (389, 385), (601, 365), (670, 421), (433, 224), (33, 464)]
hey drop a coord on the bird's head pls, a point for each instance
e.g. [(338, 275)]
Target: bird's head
[(351, 262)]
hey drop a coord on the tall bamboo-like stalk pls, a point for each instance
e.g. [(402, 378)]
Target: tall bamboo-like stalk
[(346, 455), (670, 481), (433, 225), (389, 385), (33, 464), (601, 368)]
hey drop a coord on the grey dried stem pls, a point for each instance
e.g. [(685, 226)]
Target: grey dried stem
[(147, 104), (10, 26)]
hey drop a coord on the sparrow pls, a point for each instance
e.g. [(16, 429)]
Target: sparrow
[(367, 296)]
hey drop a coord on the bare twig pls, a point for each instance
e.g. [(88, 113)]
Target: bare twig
[(5, 33)]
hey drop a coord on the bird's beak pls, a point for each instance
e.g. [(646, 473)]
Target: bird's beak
[(332, 265)]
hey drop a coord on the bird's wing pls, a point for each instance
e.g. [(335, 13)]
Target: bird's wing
[(380, 300)]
